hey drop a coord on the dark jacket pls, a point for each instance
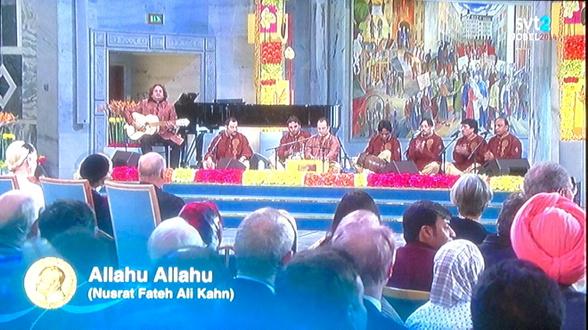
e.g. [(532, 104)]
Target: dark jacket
[(469, 229), (495, 249), (169, 205), (102, 211), (376, 320)]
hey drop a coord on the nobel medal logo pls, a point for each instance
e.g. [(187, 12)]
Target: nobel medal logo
[(50, 283)]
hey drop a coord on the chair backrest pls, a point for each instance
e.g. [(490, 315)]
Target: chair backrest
[(405, 301), (55, 189), (134, 211), (7, 183)]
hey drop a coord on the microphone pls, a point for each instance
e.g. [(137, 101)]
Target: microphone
[(485, 133), (455, 134)]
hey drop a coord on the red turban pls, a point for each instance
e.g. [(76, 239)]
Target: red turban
[(550, 231)]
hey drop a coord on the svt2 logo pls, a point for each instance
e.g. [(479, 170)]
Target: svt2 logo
[(540, 24)]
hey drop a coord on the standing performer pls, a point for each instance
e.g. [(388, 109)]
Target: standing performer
[(425, 148), (158, 105), (292, 143), (503, 145), (228, 144), (469, 150)]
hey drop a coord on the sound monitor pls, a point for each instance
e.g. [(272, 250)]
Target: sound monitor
[(506, 166), (125, 158), (401, 166)]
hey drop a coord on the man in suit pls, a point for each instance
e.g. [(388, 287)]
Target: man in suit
[(151, 167), (264, 243), (372, 249)]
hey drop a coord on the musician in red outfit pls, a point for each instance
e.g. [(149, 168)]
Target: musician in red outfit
[(324, 145), (425, 148), (384, 145), (503, 145), (158, 105), (292, 143), (228, 144), (468, 154)]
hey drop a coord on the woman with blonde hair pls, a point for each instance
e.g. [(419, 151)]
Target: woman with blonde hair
[(21, 160)]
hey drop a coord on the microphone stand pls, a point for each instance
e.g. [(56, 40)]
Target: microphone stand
[(475, 151), (303, 141), (215, 144), (443, 152), (345, 155)]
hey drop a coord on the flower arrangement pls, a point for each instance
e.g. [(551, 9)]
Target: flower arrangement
[(406, 180), (329, 179), (2, 167), (117, 136), (574, 47), (273, 177), (271, 53), (125, 173), (183, 175), (228, 176), (508, 183), (6, 139)]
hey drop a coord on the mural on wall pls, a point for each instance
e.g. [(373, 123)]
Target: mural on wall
[(442, 60)]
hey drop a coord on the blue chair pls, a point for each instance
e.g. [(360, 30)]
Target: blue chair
[(7, 183), (134, 211), (55, 189), (405, 301)]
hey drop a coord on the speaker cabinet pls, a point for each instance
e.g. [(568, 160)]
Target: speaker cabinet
[(506, 166), (401, 166), (125, 158)]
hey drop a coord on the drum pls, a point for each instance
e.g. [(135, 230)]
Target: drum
[(372, 163)]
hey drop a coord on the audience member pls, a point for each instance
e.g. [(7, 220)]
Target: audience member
[(425, 229), (63, 215), (320, 289), (550, 231), (205, 217), (471, 194), (548, 177), (96, 168), (171, 235), (263, 245), (21, 160), (457, 267), (16, 219), (497, 247), (151, 168), (371, 246), (351, 201), (516, 294)]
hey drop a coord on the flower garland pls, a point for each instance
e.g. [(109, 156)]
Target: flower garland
[(184, 175), (228, 176), (574, 48), (572, 111), (405, 180), (273, 177), (508, 183), (125, 173)]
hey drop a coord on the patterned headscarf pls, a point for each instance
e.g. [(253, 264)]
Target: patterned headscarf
[(457, 266), (550, 231)]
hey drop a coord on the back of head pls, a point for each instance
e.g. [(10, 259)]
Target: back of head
[(170, 235), (205, 217), (95, 168), (16, 154), (197, 257), (263, 239), (550, 231), (370, 245), (63, 215), (509, 209), (471, 194), (546, 177), (456, 268), (419, 214), (515, 294), (320, 289), (151, 166), (16, 218), (353, 201)]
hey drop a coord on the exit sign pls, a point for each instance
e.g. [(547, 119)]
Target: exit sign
[(154, 18)]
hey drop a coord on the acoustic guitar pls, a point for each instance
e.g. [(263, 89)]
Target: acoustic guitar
[(149, 125)]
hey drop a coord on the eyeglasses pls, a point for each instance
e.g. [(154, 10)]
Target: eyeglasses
[(30, 149)]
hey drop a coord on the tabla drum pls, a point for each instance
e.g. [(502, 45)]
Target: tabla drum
[(372, 163)]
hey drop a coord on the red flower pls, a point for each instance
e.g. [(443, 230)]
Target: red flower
[(271, 53), (329, 179), (125, 173), (574, 48), (228, 176), (41, 160), (405, 180)]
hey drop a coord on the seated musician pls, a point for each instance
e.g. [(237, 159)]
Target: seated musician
[(324, 145), (158, 105), (292, 143), (228, 144), (425, 148), (384, 145), (503, 145), (468, 154)]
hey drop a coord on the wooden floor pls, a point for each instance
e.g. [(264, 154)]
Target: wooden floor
[(305, 237)]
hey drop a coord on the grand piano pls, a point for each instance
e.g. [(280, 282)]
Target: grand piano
[(213, 115)]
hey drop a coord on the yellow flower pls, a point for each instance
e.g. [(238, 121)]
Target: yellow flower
[(8, 136), (508, 183), (112, 120)]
